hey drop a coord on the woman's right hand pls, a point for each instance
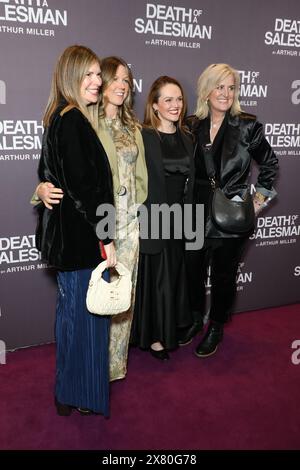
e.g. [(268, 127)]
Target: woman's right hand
[(111, 256), (49, 194)]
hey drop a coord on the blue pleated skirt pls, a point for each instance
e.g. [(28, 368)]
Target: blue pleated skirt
[(82, 368)]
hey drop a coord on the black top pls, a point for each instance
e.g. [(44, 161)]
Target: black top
[(157, 179), (175, 157), (201, 176), (216, 151)]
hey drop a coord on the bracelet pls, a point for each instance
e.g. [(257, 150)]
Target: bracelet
[(259, 198), (38, 186), (35, 196)]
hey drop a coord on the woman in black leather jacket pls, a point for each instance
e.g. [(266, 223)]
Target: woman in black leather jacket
[(234, 138)]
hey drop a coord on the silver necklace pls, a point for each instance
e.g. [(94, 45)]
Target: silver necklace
[(215, 125)]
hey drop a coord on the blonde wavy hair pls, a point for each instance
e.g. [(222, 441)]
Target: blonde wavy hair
[(210, 78), (109, 66), (67, 78)]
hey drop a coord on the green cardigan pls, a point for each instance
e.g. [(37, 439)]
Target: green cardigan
[(141, 168)]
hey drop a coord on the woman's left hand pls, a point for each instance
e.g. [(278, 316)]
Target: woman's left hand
[(49, 194), (257, 206), (111, 256)]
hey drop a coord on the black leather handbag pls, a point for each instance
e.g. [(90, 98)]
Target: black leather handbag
[(232, 216), (229, 216)]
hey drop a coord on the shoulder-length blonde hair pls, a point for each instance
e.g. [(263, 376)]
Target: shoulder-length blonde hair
[(208, 81), (109, 66), (68, 75), (151, 120)]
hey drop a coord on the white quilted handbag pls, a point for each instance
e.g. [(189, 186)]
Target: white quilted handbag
[(109, 298)]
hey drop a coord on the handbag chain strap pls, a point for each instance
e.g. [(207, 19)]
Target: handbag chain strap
[(210, 167)]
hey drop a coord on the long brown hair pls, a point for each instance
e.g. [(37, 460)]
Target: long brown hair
[(151, 120), (68, 75), (109, 66)]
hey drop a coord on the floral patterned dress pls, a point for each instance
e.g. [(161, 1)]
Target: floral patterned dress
[(126, 242)]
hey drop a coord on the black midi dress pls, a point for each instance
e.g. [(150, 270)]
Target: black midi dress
[(162, 301)]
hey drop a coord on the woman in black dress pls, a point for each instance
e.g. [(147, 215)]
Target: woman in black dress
[(162, 305)]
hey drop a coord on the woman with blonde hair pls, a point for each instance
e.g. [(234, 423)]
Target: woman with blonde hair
[(226, 140), (119, 132), (74, 159)]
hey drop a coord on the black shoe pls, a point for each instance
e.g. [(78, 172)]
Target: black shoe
[(162, 355), (188, 336), (209, 343), (62, 409)]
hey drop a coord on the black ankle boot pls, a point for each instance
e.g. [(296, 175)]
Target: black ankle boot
[(209, 343), (189, 334), (62, 409)]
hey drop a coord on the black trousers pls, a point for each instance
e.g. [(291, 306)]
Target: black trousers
[(223, 255)]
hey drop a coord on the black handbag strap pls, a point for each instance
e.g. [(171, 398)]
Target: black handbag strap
[(209, 164)]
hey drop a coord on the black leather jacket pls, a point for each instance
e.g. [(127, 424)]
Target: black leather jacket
[(243, 141)]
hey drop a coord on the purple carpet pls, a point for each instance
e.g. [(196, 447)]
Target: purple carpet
[(244, 397)]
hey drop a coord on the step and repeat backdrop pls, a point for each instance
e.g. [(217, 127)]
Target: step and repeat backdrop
[(178, 38)]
